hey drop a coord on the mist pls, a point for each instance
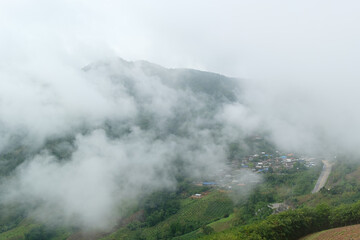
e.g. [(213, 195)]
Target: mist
[(101, 131), (126, 130)]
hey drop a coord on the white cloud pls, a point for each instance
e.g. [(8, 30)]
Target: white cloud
[(299, 61)]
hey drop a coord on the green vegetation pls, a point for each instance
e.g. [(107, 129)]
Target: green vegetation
[(283, 187), (159, 206), (192, 215), (343, 186), (10, 217), (27, 230), (292, 182), (11, 159), (174, 215), (294, 224), (223, 224), (329, 208), (18, 232), (40, 233), (220, 214)]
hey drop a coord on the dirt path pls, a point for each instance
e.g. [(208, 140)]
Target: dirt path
[(349, 232), (323, 176)]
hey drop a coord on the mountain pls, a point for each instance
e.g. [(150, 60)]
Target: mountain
[(120, 132)]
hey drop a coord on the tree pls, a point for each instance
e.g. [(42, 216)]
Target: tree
[(207, 230), (40, 233)]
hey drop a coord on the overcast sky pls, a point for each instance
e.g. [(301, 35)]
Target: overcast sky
[(253, 39)]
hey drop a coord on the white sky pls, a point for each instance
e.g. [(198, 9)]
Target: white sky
[(300, 58), (253, 38)]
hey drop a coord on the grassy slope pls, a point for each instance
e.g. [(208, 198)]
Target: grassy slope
[(197, 211), (222, 224), (210, 210), (19, 232), (218, 226)]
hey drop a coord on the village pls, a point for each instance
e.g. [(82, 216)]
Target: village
[(279, 162), (239, 173)]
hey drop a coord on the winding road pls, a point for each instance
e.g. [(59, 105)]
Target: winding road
[(323, 176)]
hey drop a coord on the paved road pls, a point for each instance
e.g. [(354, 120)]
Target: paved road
[(323, 176)]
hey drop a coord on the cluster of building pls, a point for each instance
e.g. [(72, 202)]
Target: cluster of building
[(263, 162), (236, 174)]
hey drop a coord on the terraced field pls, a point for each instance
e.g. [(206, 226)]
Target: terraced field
[(222, 224), (198, 212), (342, 233)]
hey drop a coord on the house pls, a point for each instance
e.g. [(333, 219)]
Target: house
[(196, 196), (263, 170), (279, 207), (209, 183)]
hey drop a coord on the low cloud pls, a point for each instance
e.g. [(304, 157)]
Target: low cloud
[(308, 116), (126, 130)]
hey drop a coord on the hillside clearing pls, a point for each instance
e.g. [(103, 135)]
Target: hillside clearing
[(348, 232)]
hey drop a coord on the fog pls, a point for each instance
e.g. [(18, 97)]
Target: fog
[(127, 124), (113, 132)]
